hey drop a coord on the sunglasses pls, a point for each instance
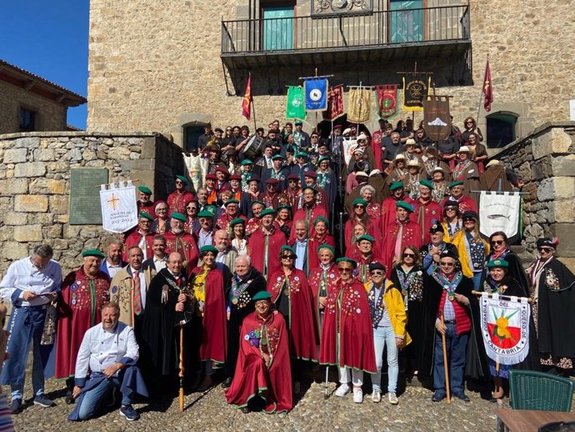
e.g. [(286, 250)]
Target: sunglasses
[(191, 208), (291, 257), (468, 220), (447, 264), (345, 269), (410, 255), (544, 249), (497, 242), (377, 273), (179, 182), (359, 206)]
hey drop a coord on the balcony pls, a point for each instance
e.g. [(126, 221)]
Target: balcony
[(340, 39)]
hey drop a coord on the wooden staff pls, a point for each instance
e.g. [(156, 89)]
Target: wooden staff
[(445, 366), (181, 366)]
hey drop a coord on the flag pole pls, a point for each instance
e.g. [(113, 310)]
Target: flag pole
[(254, 111), (481, 94)]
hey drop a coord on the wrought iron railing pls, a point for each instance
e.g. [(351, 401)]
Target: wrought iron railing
[(379, 28)]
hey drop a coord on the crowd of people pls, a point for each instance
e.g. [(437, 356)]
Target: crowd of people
[(273, 253)]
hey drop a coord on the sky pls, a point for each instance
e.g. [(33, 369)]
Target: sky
[(49, 38)]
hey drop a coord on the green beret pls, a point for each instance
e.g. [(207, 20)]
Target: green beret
[(183, 178), (455, 183), (262, 295), (237, 221), (208, 248), (93, 253), (326, 246), (396, 185), (301, 154), (258, 202), (289, 249), (426, 183), (204, 214), (346, 259), (146, 215), (323, 158), (365, 237), (321, 219), (145, 189), (404, 206), (278, 157), (285, 207), (231, 201), (359, 201), (247, 162), (494, 263), (178, 216), (212, 209), (267, 211)]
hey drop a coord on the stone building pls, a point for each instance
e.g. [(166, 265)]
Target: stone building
[(172, 66), (31, 103)]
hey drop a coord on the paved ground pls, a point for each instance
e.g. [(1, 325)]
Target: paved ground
[(209, 412)]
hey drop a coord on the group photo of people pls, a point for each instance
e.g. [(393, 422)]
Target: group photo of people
[(284, 257)]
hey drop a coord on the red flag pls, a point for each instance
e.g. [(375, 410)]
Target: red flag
[(247, 101), (334, 103), (487, 89)]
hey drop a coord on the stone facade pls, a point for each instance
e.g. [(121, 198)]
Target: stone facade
[(35, 185), (155, 65), (545, 160)]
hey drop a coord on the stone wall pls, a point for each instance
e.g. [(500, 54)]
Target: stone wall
[(155, 62), (35, 185), (51, 115), (545, 160)]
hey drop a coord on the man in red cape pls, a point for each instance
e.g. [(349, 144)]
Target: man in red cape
[(309, 212), (178, 199), (388, 213), (84, 291), (403, 232), (347, 336), (465, 202), (265, 244), (364, 255), (263, 367), (177, 240), (425, 211), (142, 236)]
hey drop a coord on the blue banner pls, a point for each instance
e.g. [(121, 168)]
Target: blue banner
[(316, 94)]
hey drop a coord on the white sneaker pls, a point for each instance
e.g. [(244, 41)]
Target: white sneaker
[(357, 396), (342, 390), (392, 398), (376, 396)]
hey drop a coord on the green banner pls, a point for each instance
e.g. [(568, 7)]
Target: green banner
[(295, 107)]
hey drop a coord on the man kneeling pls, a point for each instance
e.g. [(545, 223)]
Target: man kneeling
[(109, 351)]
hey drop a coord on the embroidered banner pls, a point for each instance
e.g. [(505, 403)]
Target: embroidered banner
[(316, 94), (359, 105), (119, 208), (499, 212), (295, 106), (414, 92), (505, 328), (348, 146), (386, 100), (334, 103), (436, 117)]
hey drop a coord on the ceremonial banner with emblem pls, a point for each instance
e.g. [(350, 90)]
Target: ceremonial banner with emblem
[(247, 100), (295, 106), (348, 146), (386, 100), (500, 211), (436, 117), (414, 92), (119, 208), (359, 105), (487, 89), (334, 103), (315, 94), (505, 327)]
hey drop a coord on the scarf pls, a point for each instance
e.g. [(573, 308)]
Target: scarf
[(376, 305), (448, 285)]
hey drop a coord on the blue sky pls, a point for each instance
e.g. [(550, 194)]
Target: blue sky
[(50, 39)]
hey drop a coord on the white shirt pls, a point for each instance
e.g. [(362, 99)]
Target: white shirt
[(113, 269), (101, 348), (160, 264), (22, 276)]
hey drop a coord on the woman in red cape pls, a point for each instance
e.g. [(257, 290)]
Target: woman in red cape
[(347, 335), (321, 236), (293, 298), (263, 367), (322, 279)]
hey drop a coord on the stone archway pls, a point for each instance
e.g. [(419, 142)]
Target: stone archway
[(187, 124)]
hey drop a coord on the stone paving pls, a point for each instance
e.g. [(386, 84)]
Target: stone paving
[(208, 411)]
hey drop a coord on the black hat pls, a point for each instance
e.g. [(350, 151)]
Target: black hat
[(470, 214), (450, 253), (376, 265), (547, 242), (435, 228)]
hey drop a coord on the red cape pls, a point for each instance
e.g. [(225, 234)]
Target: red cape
[(302, 214), (313, 244), (465, 203), (388, 214), (185, 244), (252, 375), (373, 229), (303, 321), (411, 237), (134, 239), (76, 315), (347, 317), (214, 321), (256, 249), (425, 215), (177, 201), (315, 280)]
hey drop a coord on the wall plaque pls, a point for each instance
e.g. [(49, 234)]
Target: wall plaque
[(341, 7), (85, 195)]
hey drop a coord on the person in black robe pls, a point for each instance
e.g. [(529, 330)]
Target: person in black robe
[(168, 306), (500, 250), (246, 282), (553, 294)]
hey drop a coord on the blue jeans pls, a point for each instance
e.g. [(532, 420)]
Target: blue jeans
[(456, 347), (25, 327), (477, 281), (383, 336), (93, 398)]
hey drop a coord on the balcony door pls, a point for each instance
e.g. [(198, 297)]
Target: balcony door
[(406, 18), (278, 25)]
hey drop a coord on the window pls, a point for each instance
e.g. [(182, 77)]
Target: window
[(191, 134), (501, 129), (27, 120)]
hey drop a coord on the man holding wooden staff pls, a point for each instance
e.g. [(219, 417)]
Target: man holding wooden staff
[(447, 297)]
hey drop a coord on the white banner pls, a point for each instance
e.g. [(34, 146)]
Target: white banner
[(119, 207), (499, 212), (505, 328), (348, 146)]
